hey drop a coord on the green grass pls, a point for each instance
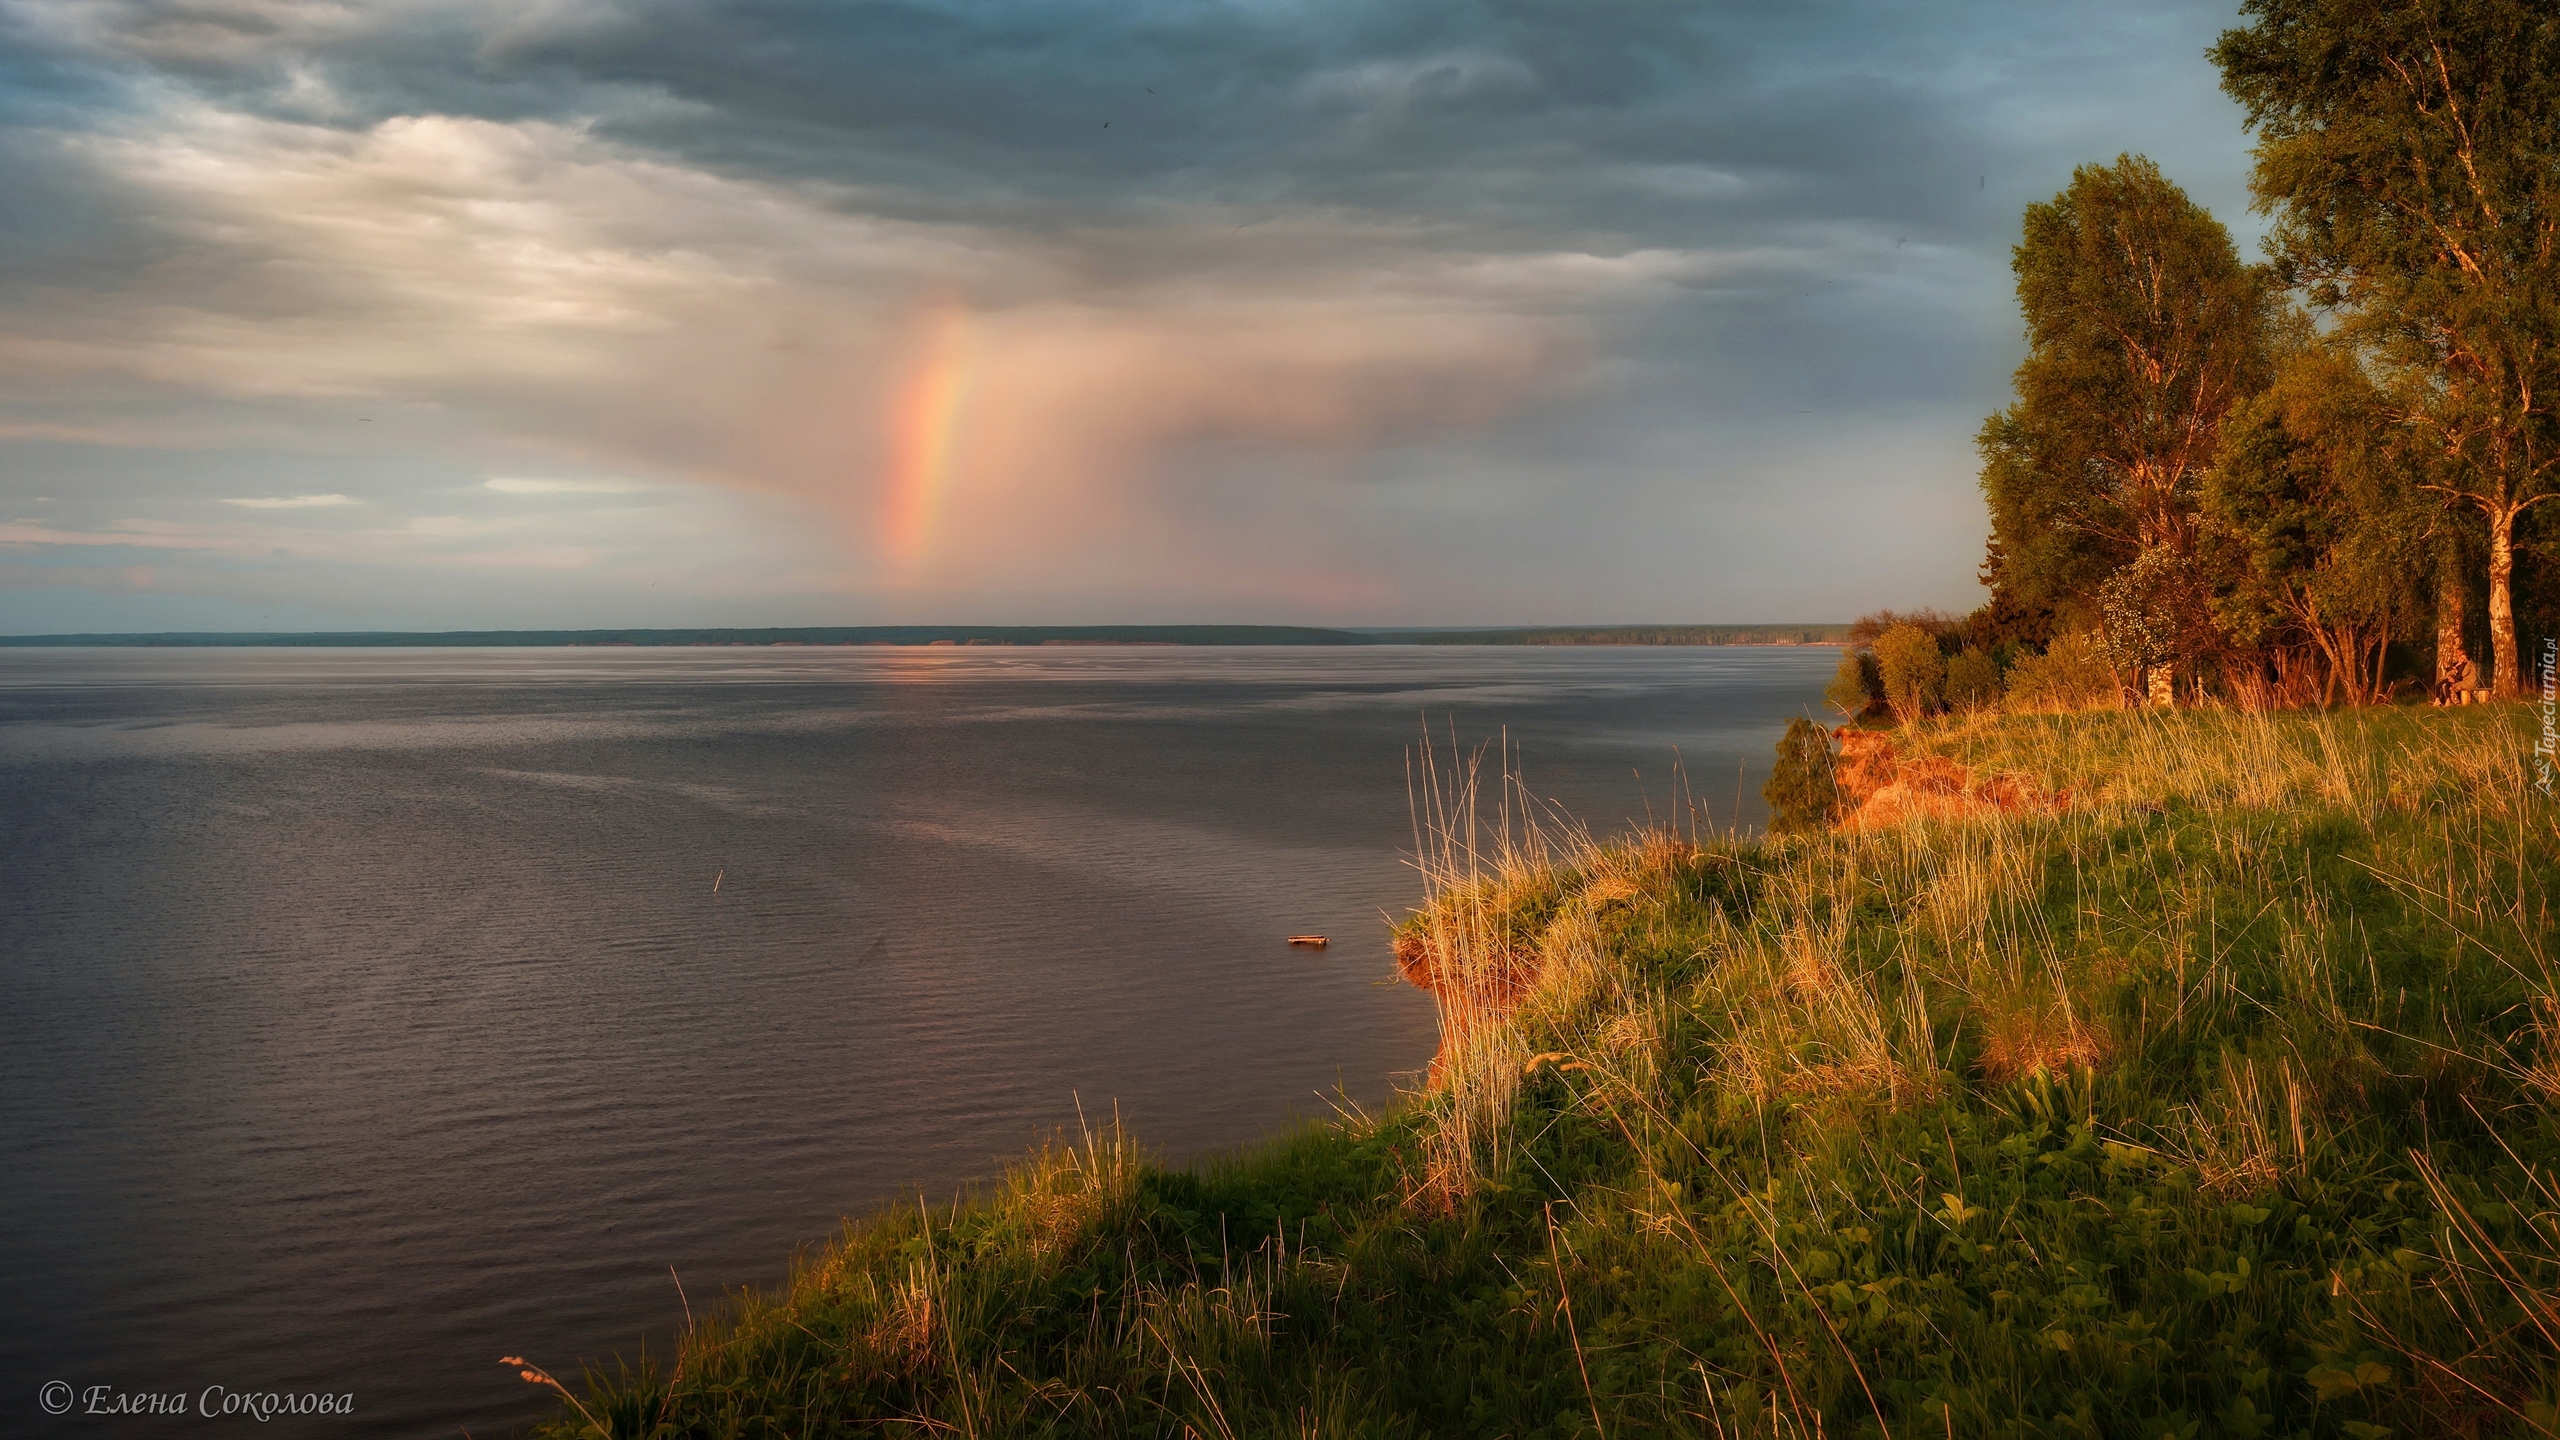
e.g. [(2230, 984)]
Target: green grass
[(2219, 1105)]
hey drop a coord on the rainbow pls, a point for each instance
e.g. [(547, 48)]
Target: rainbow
[(924, 420)]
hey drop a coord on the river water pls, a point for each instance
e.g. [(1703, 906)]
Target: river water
[(367, 1015)]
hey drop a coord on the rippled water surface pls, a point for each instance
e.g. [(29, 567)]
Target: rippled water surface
[(365, 1015)]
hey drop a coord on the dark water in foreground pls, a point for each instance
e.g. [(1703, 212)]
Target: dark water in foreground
[(366, 1015)]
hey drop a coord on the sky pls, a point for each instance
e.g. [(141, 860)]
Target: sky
[(424, 314)]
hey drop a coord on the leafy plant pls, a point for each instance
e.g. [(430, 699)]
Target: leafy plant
[(1913, 671), (2071, 674), (1856, 687), (1973, 681), (2329, 536), (1803, 791)]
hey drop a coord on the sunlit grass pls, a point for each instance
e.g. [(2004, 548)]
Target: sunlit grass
[(2219, 1102)]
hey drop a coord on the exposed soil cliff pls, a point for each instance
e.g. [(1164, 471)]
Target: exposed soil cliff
[(1480, 949), (1467, 996), (1880, 788)]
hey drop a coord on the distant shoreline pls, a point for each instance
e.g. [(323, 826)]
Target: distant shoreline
[(956, 635)]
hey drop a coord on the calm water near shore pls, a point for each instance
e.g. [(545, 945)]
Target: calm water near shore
[(366, 1015)]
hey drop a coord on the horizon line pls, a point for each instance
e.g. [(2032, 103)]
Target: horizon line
[(1660, 633)]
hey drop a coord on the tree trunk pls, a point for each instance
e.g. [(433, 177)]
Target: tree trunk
[(2504, 680), (2346, 664), (2453, 662), (2330, 663)]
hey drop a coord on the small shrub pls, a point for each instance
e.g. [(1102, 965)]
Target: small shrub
[(1973, 681), (1855, 687), (1802, 793), (2072, 674), (1914, 671)]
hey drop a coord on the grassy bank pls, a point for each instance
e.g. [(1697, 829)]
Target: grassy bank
[(2220, 1103)]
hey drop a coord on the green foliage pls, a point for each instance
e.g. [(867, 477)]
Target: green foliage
[(1973, 681), (2157, 612), (2071, 674), (2010, 619), (1938, 623), (1913, 670), (2328, 537), (2406, 150), (2537, 578), (1856, 687), (2143, 328), (1801, 792)]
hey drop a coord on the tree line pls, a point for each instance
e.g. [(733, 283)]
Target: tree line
[(2315, 479)]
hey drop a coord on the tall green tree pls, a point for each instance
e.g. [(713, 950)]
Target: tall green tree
[(2410, 150), (2144, 328), (2330, 537)]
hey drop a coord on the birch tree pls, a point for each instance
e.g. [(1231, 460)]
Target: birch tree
[(2411, 154)]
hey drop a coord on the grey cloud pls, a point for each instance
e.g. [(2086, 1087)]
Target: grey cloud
[(1545, 116), (1697, 220), (1432, 127)]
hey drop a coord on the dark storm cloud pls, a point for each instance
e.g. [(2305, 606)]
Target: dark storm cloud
[(1517, 115), (1515, 124)]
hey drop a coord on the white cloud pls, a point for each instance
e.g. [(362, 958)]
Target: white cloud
[(287, 502)]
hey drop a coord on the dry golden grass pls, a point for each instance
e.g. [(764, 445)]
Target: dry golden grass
[(909, 1330), (1068, 1190), (1526, 915), (2040, 1039), (2262, 1126)]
